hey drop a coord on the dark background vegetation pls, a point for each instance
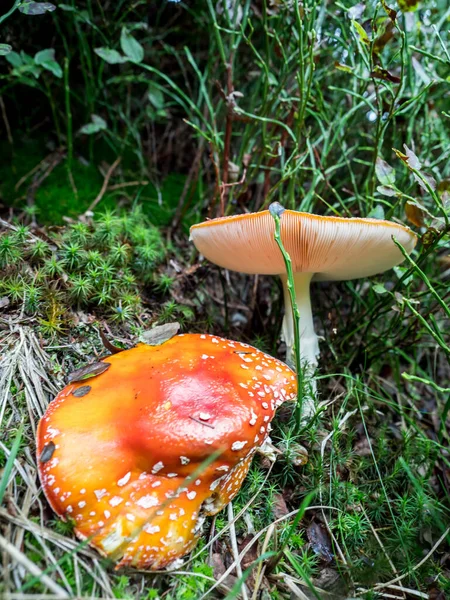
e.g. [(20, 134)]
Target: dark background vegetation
[(122, 124)]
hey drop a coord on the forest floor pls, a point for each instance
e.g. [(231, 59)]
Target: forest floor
[(208, 113)]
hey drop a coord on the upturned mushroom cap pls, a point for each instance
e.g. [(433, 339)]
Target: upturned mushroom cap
[(116, 451), (332, 248)]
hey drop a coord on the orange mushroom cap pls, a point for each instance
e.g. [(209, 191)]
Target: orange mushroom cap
[(117, 452)]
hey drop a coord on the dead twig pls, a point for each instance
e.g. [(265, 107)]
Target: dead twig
[(119, 186), (47, 166), (104, 187), (6, 122), (234, 548)]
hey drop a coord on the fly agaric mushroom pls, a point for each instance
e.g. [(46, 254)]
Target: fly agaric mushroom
[(123, 453), (321, 249)]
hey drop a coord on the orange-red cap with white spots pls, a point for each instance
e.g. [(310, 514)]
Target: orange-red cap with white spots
[(116, 452)]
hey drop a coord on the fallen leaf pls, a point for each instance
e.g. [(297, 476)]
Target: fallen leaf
[(252, 554), (89, 371), (280, 508), (81, 391), (160, 334), (113, 349), (47, 452), (219, 570), (4, 302), (320, 541)]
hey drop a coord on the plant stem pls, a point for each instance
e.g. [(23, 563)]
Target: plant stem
[(276, 210), (10, 11)]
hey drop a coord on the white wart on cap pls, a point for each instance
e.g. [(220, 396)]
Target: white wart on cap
[(321, 249)]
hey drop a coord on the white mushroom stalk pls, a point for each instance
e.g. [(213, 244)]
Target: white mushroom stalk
[(309, 343)]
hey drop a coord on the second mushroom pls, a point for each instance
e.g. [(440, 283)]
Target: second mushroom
[(321, 249)]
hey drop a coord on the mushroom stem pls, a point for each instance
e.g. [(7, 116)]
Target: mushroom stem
[(309, 344)]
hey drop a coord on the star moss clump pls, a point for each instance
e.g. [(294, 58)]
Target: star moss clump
[(98, 267)]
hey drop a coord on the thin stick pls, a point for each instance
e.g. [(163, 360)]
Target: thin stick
[(104, 187), (262, 567), (20, 558), (234, 548), (119, 186), (5, 120)]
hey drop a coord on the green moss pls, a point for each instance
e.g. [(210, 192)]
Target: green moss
[(98, 266), (55, 198)]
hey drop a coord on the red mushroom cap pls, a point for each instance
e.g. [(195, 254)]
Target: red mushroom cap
[(116, 452)]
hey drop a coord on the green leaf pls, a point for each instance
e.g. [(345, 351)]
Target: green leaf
[(23, 65), (26, 58), (36, 8), (111, 56), (46, 59), (379, 288), (387, 190), (377, 212), (97, 124), (362, 32), (413, 160), (54, 68), (156, 98), (384, 172), (44, 56), (14, 59), (131, 47), (5, 49)]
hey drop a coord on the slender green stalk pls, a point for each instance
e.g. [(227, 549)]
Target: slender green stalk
[(10, 11), (276, 210), (435, 335), (432, 384)]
